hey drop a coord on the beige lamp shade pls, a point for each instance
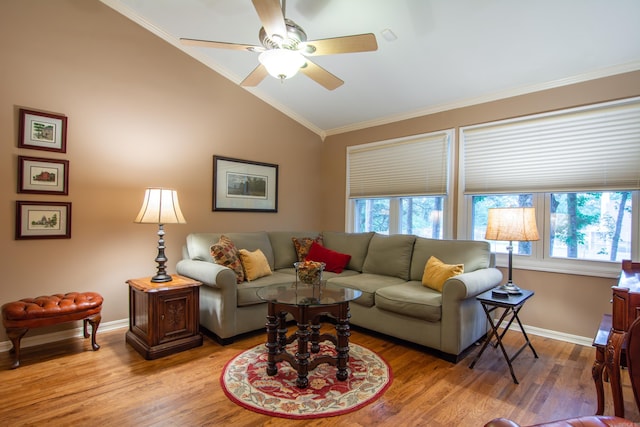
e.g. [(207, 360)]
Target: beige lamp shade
[(512, 224), (160, 206)]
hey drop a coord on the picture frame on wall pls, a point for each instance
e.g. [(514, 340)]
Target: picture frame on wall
[(43, 220), (42, 131), (244, 185), (43, 176)]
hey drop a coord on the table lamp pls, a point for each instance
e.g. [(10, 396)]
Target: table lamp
[(160, 206), (512, 224)]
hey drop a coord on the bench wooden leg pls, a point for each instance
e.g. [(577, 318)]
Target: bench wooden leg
[(94, 321), (15, 335)]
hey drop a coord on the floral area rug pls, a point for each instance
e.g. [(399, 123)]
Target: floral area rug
[(245, 381)]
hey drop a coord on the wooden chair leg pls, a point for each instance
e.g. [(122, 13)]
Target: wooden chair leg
[(15, 335), (94, 321)]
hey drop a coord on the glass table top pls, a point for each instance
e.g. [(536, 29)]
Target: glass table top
[(303, 294)]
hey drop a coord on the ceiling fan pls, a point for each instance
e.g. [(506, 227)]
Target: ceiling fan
[(285, 48)]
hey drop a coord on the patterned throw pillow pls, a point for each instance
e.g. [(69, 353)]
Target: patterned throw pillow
[(437, 272), (224, 252), (303, 244)]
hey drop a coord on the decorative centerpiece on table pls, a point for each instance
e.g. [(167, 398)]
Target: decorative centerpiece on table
[(309, 272)]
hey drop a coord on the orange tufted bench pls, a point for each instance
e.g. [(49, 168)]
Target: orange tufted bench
[(20, 316)]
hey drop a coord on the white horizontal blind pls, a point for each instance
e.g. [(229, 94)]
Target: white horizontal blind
[(594, 148), (404, 167)]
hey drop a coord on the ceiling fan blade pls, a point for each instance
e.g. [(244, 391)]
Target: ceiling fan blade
[(256, 76), (321, 76), (221, 45), (348, 44), (271, 16)]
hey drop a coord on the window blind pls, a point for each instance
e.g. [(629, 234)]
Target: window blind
[(594, 148), (403, 167)]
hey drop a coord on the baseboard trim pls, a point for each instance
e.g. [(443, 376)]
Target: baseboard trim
[(124, 323), (62, 335), (547, 333)]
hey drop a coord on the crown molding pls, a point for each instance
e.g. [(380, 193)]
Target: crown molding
[(523, 90)]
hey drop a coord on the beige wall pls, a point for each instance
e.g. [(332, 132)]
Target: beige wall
[(141, 113), (569, 304)]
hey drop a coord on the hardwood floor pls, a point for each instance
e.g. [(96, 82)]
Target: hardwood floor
[(66, 383)]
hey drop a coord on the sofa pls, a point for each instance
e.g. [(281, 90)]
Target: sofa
[(387, 269)]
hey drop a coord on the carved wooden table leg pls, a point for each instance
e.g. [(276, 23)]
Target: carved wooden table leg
[(343, 331), (315, 336), (272, 341), (596, 373), (302, 355), (612, 363)]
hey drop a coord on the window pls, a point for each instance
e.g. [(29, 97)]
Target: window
[(400, 186), (594, 226), (400, 215), (578, 168)]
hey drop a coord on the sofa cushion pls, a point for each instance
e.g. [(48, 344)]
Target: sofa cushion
[(254, 263), (198, 244), (473, 254), (224, 252), (354, 244), (411, 299), (390, 255), (368, 284), (437, 272), (334, 261), (284, 252), (303, 244)]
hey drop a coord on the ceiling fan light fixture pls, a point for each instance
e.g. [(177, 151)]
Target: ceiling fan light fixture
[(281, 63)]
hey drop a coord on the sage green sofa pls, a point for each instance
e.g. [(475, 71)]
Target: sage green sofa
[(387, 269)]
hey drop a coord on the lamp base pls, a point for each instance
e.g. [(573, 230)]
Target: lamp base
[(510, 288), (161, 278)]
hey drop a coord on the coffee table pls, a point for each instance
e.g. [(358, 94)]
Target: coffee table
[(307, 304)]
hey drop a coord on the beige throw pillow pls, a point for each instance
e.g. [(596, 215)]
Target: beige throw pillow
[(255, 264), (437, 272)]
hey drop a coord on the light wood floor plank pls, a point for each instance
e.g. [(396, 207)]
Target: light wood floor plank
[(66, 383)]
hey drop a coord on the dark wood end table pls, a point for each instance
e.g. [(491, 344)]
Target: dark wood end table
[(512, 306), (307, 304), (164, 318)]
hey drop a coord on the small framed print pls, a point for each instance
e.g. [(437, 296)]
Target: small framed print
[(43, 176), (42, 131), (43, 220)]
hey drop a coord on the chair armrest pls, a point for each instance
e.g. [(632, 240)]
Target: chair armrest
[(501, 422)]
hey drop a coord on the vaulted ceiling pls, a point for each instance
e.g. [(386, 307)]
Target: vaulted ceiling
[(432, 55)]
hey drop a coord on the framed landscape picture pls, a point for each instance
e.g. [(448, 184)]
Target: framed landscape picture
[(243, 185), (42, 131), (43, 176), (43, 220)]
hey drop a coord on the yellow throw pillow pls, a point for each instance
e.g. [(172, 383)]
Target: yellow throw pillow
[(437, 272), (255, 264)]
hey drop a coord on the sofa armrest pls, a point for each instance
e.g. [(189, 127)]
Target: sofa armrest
[(209, 273), (463, 320), (468, 285)]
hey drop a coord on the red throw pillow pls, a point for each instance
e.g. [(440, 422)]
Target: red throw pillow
[(335, 261)]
